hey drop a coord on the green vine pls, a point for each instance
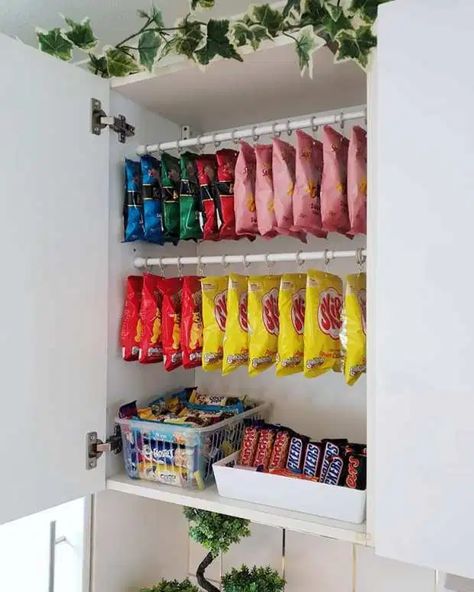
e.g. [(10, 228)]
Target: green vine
[(346, 26)]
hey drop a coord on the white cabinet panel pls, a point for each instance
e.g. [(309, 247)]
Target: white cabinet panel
[(423, 335), (53, 315)]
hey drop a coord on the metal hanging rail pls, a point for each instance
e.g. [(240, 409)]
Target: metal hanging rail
[(257, 130)]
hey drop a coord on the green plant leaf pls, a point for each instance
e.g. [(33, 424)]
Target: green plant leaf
[(54, 43), (334, 11), (257, 579), (307, 42), (195, 4), (291, 5), (313, 14), (243, 34), (215, 532), (186, 41), (81, 34), (142, 13), (172, 586), (356, 45), (332, 28), (217, 43), (98, 65), (148, 46), (157, 17), (120, 63), (367, 9), (268, 17)]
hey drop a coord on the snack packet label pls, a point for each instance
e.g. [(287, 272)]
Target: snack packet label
[(291, 308), (263, 322), (236, 351), (214, 314), (151, 348), (353, 334), (191, 322)]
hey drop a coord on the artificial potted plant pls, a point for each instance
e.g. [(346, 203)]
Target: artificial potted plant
[(172, 586)]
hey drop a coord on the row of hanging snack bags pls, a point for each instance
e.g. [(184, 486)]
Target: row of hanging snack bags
[(297, 322), (266, 190)]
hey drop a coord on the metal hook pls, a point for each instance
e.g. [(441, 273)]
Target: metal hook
[(160, 265), (360, 258), (200, 266), (327, 259), (268, 263), (314, 126), (216, 142), (234, 139), (256, 137), (199, 144), (289, 131), (146, 267), (245, 262), (274, 132), (341, 121), (178, 143), (225, 264), (299, 261), (180, 267), (365, 116)]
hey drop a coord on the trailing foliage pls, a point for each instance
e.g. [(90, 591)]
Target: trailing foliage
[(257, 579), (345, 25), (172, 586)]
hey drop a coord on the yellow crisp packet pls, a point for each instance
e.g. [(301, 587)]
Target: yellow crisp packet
[(353, 334), (291, 308), (214, 315), (263, 321), (322, 324), (236, 339)]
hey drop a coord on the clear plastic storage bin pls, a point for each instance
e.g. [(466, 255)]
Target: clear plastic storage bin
[(179, 455)]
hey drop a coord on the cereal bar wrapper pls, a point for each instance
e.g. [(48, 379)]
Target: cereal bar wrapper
[(131, 327), (322, 324), (151, 347), (357, 181), (191, 322), (236, 339), (244, 191), (264, 325), (171, 291), (264, 200), (291, 309), (334, 208), (353, 334), (214, 316)]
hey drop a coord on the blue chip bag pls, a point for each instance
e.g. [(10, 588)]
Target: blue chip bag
[(133, 206), (152, 199)]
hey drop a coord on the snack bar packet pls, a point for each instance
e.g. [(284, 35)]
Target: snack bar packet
[(171, 289), (207, 171), (170, 181), (236, 349), (226, 159), (133, 204), (151, 347), (131, 327), (263, 321), (307, 193), (244, 191), (152, 205), (334, 209), (322, 323), (191, 322), (291, 309), (264, 200), (357, 181), (189, 221), (353, 334), (214, 315)]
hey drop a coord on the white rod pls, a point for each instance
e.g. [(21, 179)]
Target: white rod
[(225, 260), (256, 130)]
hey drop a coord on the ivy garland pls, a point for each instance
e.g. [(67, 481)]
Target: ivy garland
[(346, 26)]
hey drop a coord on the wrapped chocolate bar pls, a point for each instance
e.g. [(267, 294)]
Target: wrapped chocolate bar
[(296, 453)]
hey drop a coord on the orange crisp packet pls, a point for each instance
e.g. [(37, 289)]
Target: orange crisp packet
[(322, 324), (214, 316), (236, 339), (291, 309)]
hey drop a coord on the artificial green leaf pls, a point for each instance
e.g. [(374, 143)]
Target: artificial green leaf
[(201, 4), (98, 65), (243, 34), (217, 43), (54, 43), (367, 9), (142, 13), (333, 28), (291, 5), (307, 42), (157, 17), (356, 45), (334, 11), (148, 46), (81, 34), (186, 41), (267, 17), (120, 63), (215, 532), (172, 586), (313, 14)]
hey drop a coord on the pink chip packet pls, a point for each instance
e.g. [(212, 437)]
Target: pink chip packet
[(264, 201), (244, 192), (307, 192), (357, 181), (284, 156), (334, 207)]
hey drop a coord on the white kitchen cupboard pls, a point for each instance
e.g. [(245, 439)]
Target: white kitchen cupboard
[(60, 361)]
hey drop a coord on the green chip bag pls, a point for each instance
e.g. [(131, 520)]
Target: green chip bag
[(189, 221), (170, 181)]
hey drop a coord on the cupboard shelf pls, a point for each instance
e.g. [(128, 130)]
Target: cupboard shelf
[(209, 499)]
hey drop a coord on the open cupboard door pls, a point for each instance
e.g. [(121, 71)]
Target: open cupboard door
[(423, 253), (53, 316)]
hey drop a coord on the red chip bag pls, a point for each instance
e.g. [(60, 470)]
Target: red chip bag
[(307, 193), (131, 328), (264, 200), (334, 209), (226, 160), (171, 289), (191, 322), (207, 169), (244, 191), (151, 347), (357, 181)]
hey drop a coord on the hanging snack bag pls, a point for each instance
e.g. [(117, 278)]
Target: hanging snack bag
[(307, 193), (322, 323), (236, 349), (226, 159), (131, 327), (357, 181), (334, 209), (264, 199), (133, 205), (353, 334), (170, 181), (291, 311), (152, 205), (244, 192), (151, 347), (283, 165), (263, 321), (171, 289), (214, 316), (189, 222), (191, 322), (207, 170)]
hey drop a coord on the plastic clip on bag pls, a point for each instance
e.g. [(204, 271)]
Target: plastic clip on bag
[(171, 289), (322, 324), (244, 192), (226, 159), (152, 205), (151, 347), (191, 322), (264, 198), (207, 169), (357, 181), (170, 181), (214, 316), (334, 208), (291, 309), (131, 327), (133, 205), (189, 222), (236, 349), (353, 334)]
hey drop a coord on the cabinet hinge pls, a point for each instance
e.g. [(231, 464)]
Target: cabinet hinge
[(96, 448), (100, 120)]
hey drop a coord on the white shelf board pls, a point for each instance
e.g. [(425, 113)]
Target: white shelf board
[(210, 500)]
